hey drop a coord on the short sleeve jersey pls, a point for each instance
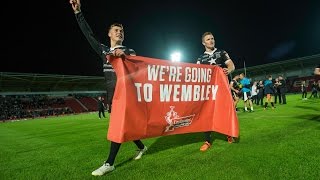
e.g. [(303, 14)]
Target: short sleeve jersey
[(216, 57)]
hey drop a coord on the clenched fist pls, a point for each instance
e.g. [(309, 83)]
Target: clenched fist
[(75, 5)]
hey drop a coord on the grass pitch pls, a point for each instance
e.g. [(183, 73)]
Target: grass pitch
[(283, 143)]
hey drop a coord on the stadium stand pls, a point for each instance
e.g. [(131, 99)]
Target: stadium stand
[(90, 103), (24, 95)]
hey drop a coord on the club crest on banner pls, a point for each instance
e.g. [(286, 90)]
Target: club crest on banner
[(175, 121)]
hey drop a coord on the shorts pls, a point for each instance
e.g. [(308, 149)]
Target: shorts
[(246, 96)]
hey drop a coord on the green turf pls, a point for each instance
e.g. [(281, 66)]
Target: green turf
[(283, 143)]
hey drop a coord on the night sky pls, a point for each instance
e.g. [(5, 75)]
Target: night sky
[(45, 37)]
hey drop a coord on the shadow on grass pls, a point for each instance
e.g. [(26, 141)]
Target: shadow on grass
[(312, 117), (308, 107), (172, 141), (124, 162), (168, 142)]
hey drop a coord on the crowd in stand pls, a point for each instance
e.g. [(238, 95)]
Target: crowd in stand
[(23, 107)]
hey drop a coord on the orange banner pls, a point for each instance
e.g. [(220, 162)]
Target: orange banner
[(155, 97)]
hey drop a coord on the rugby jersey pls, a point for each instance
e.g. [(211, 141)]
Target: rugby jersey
[(268, 87), (101, 49), (107, 67), (216, 57)]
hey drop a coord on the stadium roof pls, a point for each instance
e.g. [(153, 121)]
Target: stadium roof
[(281, 66), (25, 82), (45, 83)]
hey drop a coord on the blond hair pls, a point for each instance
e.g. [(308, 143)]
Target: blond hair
[(205, 34), (115, 25)]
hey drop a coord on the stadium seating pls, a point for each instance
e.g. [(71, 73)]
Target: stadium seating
[(90, 103)]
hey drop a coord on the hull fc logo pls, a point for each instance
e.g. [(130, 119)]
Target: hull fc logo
[(175, 121)]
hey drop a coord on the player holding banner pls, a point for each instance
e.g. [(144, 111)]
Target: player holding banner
[(214, 56), (116, 35)]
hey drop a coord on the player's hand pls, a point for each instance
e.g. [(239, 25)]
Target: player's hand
[(226, 71), (75, 5), (118, 52)]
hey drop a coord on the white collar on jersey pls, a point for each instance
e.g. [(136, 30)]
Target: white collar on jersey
[(117, 46), (210, 53)]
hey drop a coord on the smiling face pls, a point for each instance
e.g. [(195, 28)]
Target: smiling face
[(116, 33), (208, 41)]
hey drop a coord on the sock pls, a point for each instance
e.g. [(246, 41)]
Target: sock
[(114, 148), (139, 144), (207, 137), (245, 108)]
